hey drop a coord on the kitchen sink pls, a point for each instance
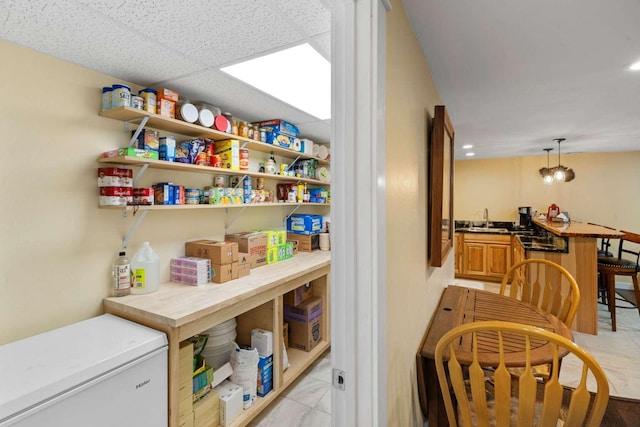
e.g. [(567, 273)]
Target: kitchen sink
[(486, 230)]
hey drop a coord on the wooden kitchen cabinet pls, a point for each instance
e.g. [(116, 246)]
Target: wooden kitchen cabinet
[(484, 256), (457, 249)]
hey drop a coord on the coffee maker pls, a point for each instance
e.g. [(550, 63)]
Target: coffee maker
[(526, 213)]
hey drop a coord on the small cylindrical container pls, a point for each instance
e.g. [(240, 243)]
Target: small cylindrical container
[(120, 97), (145, 267), (121, 276), (186, 111), (244, 159), (325, 243), (137, 102), (149, 95), (106, 97)]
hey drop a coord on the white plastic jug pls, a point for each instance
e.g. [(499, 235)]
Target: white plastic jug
[(145, 270)]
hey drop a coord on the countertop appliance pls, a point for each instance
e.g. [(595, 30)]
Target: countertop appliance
[(526, 214), (101, 372)]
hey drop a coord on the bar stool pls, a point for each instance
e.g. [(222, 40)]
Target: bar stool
[(610, 267), (603, 251)]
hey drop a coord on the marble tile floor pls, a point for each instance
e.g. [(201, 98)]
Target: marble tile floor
[(616, 352), (307, 403)]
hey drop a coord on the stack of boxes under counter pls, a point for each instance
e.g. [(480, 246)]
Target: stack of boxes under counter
[(303, 318)]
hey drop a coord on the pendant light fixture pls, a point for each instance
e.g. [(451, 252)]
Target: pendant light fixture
[(559, 172), (547, 173)]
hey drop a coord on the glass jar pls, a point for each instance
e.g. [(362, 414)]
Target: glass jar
[(243, 129), (234, 127)]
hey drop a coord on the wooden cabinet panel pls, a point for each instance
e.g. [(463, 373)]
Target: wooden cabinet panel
[(475, 258), (483, 255), (498, 260)]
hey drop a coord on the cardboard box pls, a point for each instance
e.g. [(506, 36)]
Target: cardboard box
[(218, 252), (166, 108), (262, 340), (254, 243), (280, 139), (272, 255), (279, 126), (168, 94), (244, 264), (265, 375), (304, 224), (132, 152), (230, 402), (167, 148), (299, 294), (148, 139), (306, 242), (228, 151), (305, 323), (221, 273), (275, 237)]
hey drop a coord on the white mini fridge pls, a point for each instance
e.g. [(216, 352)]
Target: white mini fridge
[(101, 372)]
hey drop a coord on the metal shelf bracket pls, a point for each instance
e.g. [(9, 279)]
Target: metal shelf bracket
[(134, 137), (228, 224), (133, 228)]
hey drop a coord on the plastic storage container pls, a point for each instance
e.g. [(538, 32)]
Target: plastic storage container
[(145, 269)]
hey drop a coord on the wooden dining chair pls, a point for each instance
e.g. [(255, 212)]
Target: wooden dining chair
[(503, 399), (543, 284)]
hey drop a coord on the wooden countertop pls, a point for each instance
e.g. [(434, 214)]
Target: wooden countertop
[(176, 304), (577, 229)]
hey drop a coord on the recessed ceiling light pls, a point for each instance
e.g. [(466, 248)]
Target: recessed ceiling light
[(299, 76), (467, 146), (469, 154), (635, 66)]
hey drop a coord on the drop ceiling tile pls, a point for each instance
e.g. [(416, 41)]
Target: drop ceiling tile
[(318, 131), (215, 33), (74, 33), (236, 97), (310, 15), (322, 43)]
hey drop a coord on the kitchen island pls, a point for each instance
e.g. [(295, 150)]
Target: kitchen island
[(582, 262)]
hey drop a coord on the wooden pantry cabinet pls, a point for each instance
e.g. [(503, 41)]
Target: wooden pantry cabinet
[(255, 301), (483, 256)]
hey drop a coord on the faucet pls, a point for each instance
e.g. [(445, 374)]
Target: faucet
[(485, 216)]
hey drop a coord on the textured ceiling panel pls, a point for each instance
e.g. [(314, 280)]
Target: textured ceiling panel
[(240, 100), (71, 32), (216, 33), (179, 44), (310, 15)]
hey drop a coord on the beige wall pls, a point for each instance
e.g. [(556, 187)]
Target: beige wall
[(57, 246), (413, 290), (604, 191)]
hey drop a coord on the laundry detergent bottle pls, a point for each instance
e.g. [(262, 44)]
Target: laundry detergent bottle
[(145, 270)]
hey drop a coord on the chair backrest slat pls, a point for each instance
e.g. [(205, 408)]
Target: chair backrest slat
[(537, 404)]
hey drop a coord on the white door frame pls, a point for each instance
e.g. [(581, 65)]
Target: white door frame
[(358, 272)]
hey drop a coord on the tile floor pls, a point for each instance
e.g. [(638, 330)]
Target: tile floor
[(307, 403)]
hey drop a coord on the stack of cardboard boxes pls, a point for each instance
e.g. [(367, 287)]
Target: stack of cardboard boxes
[(223, 256), (305, 230), (303, 314)]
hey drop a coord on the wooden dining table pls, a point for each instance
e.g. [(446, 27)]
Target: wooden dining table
[(459, 305)]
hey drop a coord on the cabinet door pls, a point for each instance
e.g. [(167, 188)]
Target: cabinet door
[(498, 259), (475, 258), (458, 246)]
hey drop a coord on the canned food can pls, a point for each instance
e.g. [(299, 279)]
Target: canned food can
[(260, 184), (244, 159), (220, 181), (137, 102)]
